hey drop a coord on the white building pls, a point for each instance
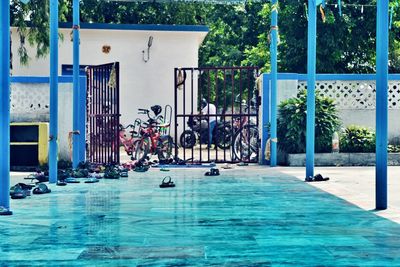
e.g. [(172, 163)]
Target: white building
[(142, 83)]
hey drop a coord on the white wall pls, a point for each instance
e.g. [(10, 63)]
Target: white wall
[(31, 102), (141, 84)]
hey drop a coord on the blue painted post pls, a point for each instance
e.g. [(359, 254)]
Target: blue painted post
[(274, 81), (53, 146), (266, 103), (5, 108), (311, 74), (382, 41), (82, 119), (76, 109)]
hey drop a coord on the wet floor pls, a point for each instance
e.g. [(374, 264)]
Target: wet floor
[(245, 217)]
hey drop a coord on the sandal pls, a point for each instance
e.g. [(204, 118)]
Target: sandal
[(61, 183), (316, 178), (41, 189), (166, 182), (227, 166), (212, 172), (17, 192), (71, 180), (91, 181), (142, 168), (5, 211)]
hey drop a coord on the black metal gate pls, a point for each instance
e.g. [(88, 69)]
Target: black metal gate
[(224, 99), (103, 113)]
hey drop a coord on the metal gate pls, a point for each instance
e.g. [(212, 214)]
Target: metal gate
[(103, 113), (230, 102)]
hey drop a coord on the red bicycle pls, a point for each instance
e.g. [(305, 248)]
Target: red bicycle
[(129, 135), (152, 140)]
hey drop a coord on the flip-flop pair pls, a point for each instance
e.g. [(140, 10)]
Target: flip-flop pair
[(317, 178), (167, 182), (212, 172)]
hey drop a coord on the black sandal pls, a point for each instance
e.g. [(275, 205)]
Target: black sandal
[(41, 189), (317, 178), (166, 182), (212, 172)]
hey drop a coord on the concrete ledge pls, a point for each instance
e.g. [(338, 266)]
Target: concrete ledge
[(341, 159)]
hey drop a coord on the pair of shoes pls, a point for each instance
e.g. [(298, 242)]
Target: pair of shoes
[(167, 182), (316, 178), (242, 164), (41, 189), (212, 172)]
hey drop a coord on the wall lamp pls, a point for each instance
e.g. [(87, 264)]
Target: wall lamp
[(149, 44)]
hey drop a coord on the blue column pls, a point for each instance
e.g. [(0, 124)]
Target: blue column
[(76, 109), (311, 73), (5, 108), (53, 146), (266, 103), (382, 41), (274, 81), (82, 119)]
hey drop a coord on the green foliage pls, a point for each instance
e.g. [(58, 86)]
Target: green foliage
[(357, 139), (238, 32), (292, 123)]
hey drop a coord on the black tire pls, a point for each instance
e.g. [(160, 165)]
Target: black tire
[(164, 147), (224, 136), (142, 148), (187, 139), (246, 142)]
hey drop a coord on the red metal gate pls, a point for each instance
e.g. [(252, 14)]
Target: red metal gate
[(103, 113)]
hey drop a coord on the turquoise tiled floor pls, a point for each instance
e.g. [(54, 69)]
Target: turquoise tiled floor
[(242, 218)]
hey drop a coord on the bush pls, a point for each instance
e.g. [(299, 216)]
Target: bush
[(292, 123), (357, 139)]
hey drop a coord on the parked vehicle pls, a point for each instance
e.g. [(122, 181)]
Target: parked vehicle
[(222, 133), (246, 139), (151, 140), (128, 135)]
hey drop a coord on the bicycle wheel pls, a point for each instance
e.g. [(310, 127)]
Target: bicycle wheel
[(164, 147), (142, 148), (246, 143), (188, 139)]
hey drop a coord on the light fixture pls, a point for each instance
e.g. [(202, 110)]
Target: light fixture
[(149, 44)]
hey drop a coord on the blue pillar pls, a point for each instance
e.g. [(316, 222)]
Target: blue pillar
[(311, 73), (53, 146), (266, 103), (76, 109), (82, 119), (382, 41), (274, 81), (5, 108)]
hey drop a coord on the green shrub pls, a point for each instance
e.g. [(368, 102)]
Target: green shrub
[(292, 123), (357, 139)]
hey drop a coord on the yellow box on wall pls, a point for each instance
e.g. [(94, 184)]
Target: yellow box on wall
[(29, 143)]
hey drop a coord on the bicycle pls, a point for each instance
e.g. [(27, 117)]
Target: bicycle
[(128, 138), (152, 141), (246, 141)]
